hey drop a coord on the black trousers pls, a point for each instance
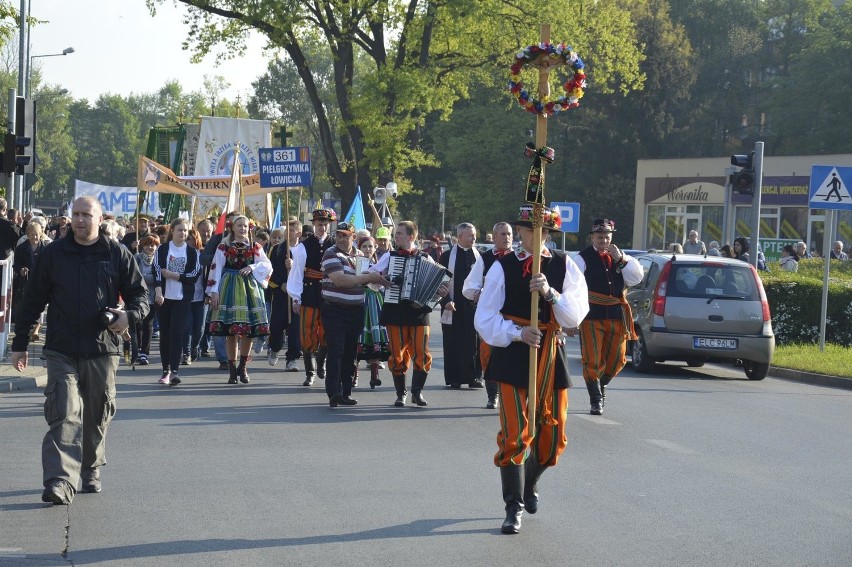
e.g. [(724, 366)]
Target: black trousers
[(173, 315), (343, 326), (278, 307)]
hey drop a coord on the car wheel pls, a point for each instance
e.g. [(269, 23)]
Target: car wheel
[(695, 362), (642, 361), (755, 370)]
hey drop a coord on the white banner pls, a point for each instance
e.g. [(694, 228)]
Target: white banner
[(118, 201), (215, 156)]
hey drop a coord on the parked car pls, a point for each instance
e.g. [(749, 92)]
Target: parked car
[(697, 309)]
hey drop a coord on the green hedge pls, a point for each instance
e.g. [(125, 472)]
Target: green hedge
[(795, 299)]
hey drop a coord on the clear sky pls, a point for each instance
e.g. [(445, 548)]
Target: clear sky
[(119, 48)]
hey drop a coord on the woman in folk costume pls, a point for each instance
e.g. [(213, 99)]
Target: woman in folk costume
[(373, 344), (238, 274)]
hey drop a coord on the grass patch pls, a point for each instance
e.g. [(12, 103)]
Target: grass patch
[(834, 361)]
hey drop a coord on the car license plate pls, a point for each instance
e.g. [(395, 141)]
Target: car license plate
[(714, 343)]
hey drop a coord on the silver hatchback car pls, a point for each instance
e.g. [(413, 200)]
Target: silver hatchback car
[(695, 308)]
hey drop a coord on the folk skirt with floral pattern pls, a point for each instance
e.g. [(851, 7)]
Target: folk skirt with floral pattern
[(373, 344), (241, 310)]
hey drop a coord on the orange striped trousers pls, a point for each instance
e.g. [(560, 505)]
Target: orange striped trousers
[(513, 440), (409, 344), (603, 348), (310, 329)]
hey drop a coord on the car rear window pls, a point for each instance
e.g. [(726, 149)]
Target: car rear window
[(712, 280)]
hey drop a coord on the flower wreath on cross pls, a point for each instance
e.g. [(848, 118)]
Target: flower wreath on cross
[(573, 86)]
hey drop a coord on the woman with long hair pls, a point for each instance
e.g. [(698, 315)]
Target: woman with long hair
[(145, 258), (195, 320), (373, 344), (238, 274), (176, 269)]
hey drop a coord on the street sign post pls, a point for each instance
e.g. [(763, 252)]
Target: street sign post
[(285, 167), (829, 190), (570, 216)]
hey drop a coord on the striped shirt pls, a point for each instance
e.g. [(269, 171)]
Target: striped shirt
[(334, 260)]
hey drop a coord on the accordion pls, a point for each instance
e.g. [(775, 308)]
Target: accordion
[(415, 281)]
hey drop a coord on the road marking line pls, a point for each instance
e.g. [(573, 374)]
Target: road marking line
[(596, 419), (670, 446)]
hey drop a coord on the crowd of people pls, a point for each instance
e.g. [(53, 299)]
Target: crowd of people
[(334, 294)]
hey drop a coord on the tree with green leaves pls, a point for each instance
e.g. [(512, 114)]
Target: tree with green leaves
[(396, 63)]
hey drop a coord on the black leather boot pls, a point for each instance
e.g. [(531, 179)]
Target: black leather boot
[(595, 397), (418, 380), (374, 376), (399, 384), (232, 368), (242, 373), (322, 352), (513, 490), (532, 472), (493, 391), (310, 368), (604, 383)]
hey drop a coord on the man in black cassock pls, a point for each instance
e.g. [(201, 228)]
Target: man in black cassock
[(460, 338)]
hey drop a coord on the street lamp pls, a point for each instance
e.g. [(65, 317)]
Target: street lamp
[(65, 51)]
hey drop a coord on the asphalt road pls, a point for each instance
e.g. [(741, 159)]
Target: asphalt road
[(686, 467)]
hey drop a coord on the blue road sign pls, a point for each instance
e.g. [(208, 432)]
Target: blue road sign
[(285, 167), (830, 188), (570, 216)]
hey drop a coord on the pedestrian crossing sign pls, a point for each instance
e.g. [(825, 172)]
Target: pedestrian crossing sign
[(830, 188)]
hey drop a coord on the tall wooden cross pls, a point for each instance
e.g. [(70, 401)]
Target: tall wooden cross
[(543, 63), (282, 135)]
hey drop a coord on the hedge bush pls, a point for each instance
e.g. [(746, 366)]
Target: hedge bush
[(795, 300)]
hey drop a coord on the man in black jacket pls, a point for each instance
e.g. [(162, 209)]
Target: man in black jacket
[(81, 277), (9, 232)]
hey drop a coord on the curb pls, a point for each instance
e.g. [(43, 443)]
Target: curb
[(31, 382), (811, 378)]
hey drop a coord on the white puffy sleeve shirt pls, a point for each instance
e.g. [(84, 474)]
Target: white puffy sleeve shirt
[(570, 309)]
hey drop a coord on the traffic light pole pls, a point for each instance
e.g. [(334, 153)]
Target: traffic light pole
[(10, 179), (755, 203)]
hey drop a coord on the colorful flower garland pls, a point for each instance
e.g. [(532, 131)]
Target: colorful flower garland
[(573, 86)]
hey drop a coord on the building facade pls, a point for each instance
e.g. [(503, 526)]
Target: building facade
[(674, 196)]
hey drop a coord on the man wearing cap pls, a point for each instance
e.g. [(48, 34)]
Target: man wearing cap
[(408, 326), (472, 289), (503, 321), (459, 336), (131, 239), (609, 325), (383, 238), (343, 313), (304, 285)]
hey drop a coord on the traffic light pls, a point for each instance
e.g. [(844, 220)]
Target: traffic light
[(14, 159), (742, 181), (25, 120)]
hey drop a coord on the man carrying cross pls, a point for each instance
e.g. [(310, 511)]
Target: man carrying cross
[(503, 321)]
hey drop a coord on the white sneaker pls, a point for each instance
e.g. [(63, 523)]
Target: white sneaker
[(165, 378), (258, 345), (273, 357), (291, 366), (381, 364)]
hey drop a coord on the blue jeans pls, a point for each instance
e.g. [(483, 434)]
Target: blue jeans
[(194, 327), (219, 348)]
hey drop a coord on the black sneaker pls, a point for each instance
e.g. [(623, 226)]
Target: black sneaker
[(175, 379), (347, 401)]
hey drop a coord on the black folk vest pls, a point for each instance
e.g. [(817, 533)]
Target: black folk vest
[(603, 280), (311, 287), (511, 364)]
